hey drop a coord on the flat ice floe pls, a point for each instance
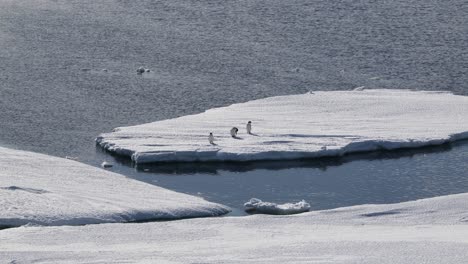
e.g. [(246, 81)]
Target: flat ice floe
[(430, 231), (44, 190), (299, 126)]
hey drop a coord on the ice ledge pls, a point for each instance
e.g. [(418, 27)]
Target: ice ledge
[(43, 190), (319, 124)]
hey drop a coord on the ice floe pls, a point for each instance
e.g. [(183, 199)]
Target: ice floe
[(255, 205), (299, 126), (45, 190), (430, 231)]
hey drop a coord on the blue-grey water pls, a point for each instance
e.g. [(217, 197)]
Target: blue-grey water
[(55, 97)]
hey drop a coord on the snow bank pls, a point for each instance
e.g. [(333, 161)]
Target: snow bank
[(255, 205), (45, 190), (299, 126), (425, 231)]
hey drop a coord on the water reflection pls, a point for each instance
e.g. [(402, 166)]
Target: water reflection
[(362, 178), (185, 168)]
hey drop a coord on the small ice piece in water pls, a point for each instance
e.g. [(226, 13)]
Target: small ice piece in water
[(106, 164), (234, 131), (147, 70), (211, 138), (104, 70), (255, 205), (360, 88), (140, 70), (249, 127)]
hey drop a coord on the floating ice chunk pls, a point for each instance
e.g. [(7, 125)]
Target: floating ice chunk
[(106, 164), (298, 126), (360, 88), (257, 206)]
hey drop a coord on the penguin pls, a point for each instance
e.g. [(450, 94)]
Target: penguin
[(234, 132), (249, 127), (140, 70), (211, 138)]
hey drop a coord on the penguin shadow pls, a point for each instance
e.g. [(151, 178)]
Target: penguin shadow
[(213, 144), (236, 137), (253, 134)]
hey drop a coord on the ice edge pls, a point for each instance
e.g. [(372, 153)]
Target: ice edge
[(354, 147)]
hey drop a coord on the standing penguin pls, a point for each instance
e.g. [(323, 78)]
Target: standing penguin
[(211, 138), (249, 127), (234, 132)]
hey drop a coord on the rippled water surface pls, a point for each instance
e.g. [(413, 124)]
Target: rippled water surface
[(55, 97)]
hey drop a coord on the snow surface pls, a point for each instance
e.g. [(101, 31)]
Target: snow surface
[(45, 190), (299, 126), (425, 231), (255, 205)]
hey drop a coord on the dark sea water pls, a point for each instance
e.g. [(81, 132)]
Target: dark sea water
[(55, 97)]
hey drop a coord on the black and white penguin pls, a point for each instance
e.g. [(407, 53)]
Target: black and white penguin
[(234, 131), (249, 127), (211, 138)]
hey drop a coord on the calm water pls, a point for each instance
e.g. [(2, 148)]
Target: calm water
[(55, 98)]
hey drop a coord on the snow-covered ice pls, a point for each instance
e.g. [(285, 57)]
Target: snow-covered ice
[(45, 190), (258, 206), (425, 231), (322, 123)]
